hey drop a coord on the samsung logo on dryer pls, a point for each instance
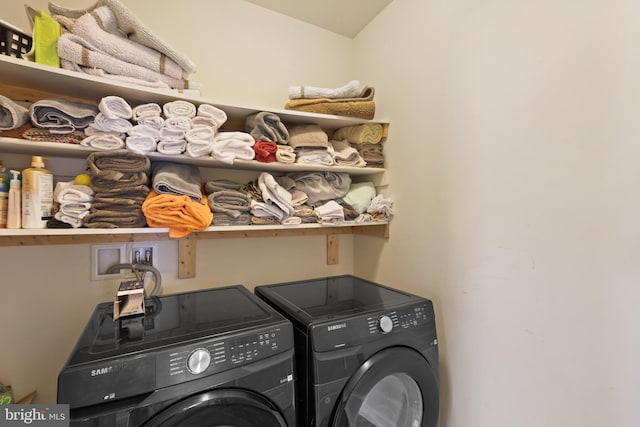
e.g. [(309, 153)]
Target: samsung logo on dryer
[(101, 371), (336, 326)]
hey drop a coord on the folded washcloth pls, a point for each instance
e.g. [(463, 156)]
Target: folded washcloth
[(103, 141), (265, 151), (177, 179), (12, 114), (100, 28), (75, 209), (371, 133), (345, 155), (155, 122), (76, 50), (229, 146), (266, 210), (172, 148), (322, 186), (274, 193), (141, 144), (360, 195), (115, 107), (68, 192), (133, 27), (104, 124), (315, 156), (115, 165), (310, 135), (267, 126), (180, 213), (200, 134), (199, 149), (350, 90), (178, 123), (72, 221), (285, 154), (330, 212), (143, 111), (291, 220), (209, 111), (179, 108), (61, 116)]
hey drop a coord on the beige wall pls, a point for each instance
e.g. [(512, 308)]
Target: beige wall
[(246, 55), (513, 157)]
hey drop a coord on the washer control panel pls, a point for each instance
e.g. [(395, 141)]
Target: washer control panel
[(206, 357)]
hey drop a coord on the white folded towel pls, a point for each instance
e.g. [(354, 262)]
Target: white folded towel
[(115, 107), (200, 134), (350, 90), (199, 149), (285, 154), (330, 212), (144, 130), (179, 108), (105, 124), (74, 221), (169, 134), (178, 123), (198, 121), (75, 209), (346, 155), (274, 193), (380, 204), (68, 192), (207, 110), (173, 148), (266, 210), (155, 122), (229, 146), (141, 144), (316, 156), (12, 114), (103, 141), (291, 220), (142, 111)]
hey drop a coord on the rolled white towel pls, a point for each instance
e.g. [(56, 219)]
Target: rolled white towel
[(173, 148), (170, 134), (285, 154), (199, 149), (155, 122), (198, 121), (200, 134), (76, 209), (68, 192), (179, 108), (12, 114), (350, 90), (115, 107), (75, 222), (145, 130), (141, 144), (218, 115), (142, 111), (179, 123), (319, 156), (105, 124), (103, 141), (346, 155), (229, 146)]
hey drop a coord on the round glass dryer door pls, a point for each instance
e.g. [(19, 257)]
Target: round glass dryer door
[(394, 388), (220, 408)]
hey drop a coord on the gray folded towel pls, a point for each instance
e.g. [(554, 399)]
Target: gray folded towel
[(179, 179), (62, 116), (133, 218), (221, 185), (266, 126), (12, 114), (115, 165), (131, 179), (322, 186), (229, 202)]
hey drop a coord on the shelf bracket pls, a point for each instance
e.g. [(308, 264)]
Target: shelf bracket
[(187, 257)]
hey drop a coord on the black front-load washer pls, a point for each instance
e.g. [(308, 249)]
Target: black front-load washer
[(366, 354), (217, 357)]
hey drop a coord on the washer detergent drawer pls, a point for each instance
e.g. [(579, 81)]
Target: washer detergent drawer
[(110, 381)]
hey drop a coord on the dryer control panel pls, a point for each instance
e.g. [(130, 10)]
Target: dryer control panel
[(218, 354), (358, 330)]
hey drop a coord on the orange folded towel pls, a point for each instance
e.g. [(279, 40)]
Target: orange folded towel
[(179, 213)]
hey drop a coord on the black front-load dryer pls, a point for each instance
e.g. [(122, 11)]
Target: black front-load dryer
[(367, 354), (211, 358)]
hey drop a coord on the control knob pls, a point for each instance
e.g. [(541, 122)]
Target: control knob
[(198, 361), (386, 324)]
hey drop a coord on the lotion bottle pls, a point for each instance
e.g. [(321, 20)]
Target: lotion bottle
[(4, 196), (37, 195), (14, 216)]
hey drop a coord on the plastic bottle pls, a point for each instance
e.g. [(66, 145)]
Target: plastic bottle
[(14, 215), (37, 195), (4, 196)]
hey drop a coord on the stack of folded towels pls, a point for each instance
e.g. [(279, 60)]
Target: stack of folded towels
[(271, 138), (367, 139), (73, 202), (176, 200), (108, 40), (228, 202), (350, 100), (110, 125), (120, 180)]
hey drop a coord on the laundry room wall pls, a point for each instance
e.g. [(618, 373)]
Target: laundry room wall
[(513, 162), (246, 55)]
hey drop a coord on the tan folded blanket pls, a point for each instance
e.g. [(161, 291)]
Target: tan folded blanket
[(371, 133), (360, 109)]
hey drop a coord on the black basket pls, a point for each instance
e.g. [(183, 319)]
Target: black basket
[(13, 42)]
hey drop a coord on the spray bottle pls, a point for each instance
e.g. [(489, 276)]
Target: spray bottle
[(14, 216), (37, 195)]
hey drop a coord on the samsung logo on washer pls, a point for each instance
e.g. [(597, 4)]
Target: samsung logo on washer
[(336, 327), (101, 371)]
